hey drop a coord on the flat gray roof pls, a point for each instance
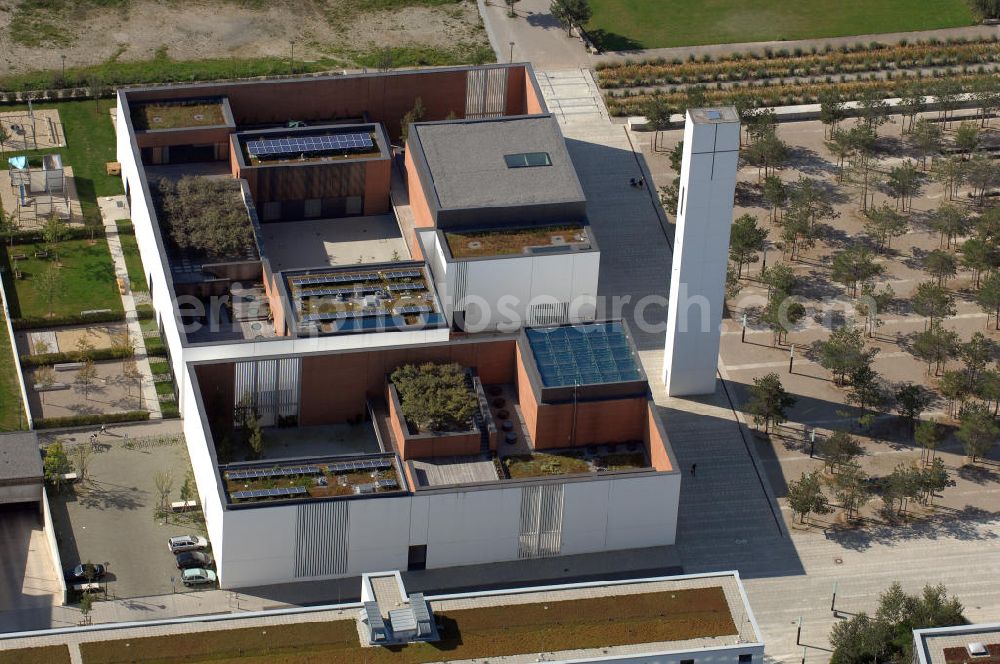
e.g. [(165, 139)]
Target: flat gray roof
[(468, 170), (933, 644), (20, 458)]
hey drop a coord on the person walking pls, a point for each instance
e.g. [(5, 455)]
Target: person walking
[(694, 469)]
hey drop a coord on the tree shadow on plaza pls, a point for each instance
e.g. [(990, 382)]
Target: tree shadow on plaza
[(963, 524), (107, 495), (811, 163)]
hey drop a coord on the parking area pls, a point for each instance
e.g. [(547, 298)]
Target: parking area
[(110, 517), (28, 577)]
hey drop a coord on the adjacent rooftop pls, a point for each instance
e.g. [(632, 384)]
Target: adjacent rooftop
[(513, 241), (965, 644), (469, 162)]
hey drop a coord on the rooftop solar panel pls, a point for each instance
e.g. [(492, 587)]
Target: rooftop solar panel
[(583, 354), (273, 147)]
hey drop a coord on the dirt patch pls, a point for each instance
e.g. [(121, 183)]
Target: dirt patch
[(191, 30)]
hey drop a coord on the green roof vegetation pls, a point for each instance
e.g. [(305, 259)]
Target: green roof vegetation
[(11, 411), (40, 655), (435, 397), (572, 462), (506, 241), (177, 115), (205, 216), (480, 633)]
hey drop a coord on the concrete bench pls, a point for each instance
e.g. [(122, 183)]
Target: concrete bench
[(94, 312), (69, 477), (67, 366), (183, 505), (51, 388), (87, 587)]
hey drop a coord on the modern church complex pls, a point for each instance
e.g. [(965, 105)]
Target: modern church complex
[(375, 241)]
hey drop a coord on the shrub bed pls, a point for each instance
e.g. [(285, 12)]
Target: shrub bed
[(97, 355), (35, 322), (84, 420)]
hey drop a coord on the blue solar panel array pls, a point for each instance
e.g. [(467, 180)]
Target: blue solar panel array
[(333, 279), (414, 309), (361, 464), (324, 292), (386, 484), (257, 473), (275, 147), (583, 354), (410, 286), (284, 492)]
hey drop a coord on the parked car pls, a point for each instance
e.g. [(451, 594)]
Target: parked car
[(85, 573), (186, 543), (197, 576), (188, 559)]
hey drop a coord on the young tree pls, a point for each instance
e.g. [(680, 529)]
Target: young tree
[(164, 483), (933, 302), (853, 266), (941, 265), (956, 388), (911, 401), (950, 172), (949, 97), (768, 401), (809, 203), (806, 497), (883, 223), (86, 376), (967, 138), (843, 352), (840, 449), (926, 139), (45, 378), (571, 12), (935, 345), (781, 314), (81, 458), (658, 110), (902, 485), (510, 6), (132, 376), (912, 102), (988, 389), (977, 430), (873, 109), (933, 479), (988, 298), (53, 233), (985, 92), (746, 239), (8, 226), (767, 153), (415, 114), (779, 278), (255, 438), (872, 304), (976, 354), (188, 489), (841, 147), (866, 392), (950, 221), (862, 168), (904, 183), (982, 174), (851, 488), (775, 195), (56, 464), (831, 109), (979, 256), (929, 435), (49, 285)]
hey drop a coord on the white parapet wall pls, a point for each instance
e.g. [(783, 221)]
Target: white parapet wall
[(701, 250)]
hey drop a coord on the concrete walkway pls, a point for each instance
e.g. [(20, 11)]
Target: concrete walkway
[(114, 208)]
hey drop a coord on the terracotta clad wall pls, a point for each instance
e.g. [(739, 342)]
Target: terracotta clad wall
[(525, 397), (377, 181), (335, 387), (608, 421), (655, 445), (517, 82), (187, 136), (275, 302), (234, 164), (532, 104), (426, 446), (218, 393), (418, 200)]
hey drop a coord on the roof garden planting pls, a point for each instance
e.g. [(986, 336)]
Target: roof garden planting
[(177, 114), (510, 241), (205, 217), (436, 397), (319, 479), (339, 301), (301, 146), (591, 459), (483, 632)]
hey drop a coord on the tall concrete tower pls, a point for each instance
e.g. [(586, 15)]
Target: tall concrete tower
[(701, 250)]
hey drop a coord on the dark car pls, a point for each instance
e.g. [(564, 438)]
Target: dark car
[(189, 559), (85, 573)]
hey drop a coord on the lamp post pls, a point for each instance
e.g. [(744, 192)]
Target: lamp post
[(63, 69), (511, 59)]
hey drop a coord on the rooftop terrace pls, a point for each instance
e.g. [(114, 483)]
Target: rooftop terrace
[(512, 241)]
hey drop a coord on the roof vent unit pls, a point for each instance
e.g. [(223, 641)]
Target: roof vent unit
[(976, 649)]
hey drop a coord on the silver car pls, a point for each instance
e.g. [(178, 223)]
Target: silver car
[(186, 543), (197, 576)]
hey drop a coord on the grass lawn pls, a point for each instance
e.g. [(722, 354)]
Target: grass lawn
[(10, 393), (40, 655), (634, 24), (505, 242), (130, 248), (541, 464), (90, 144), (86, 280), (482, 633)]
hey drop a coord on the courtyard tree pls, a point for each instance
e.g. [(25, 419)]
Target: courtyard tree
[(902, 485), (54, 231), (132, 376), (941, 265), (81, 460), (768, 401), (843, 352), (982, 173), (956, 387), (850, 486), (746, 240), (904, 183), (49, 285), (883, 223), (415, 114), (806, 497), (204, 215), (571, 12), (926, 139), (977, 431), (986, 92), (658, 110), (779, 278), (950, 173), (911, 401), (933, 479), (949, 98), (967, 138), (873, 109), (988, 298), (56, 464), (84, 348), (767, 153), (888, 635), (164, 483), (86, 376), (45, 378), (781, 314), (8, 226), (979, 256), (839, 449), (775, 195), (435, 397), (933, 302), (866, 392), (831, 109), (853, 266), (872, 304), (950, 221), (255, 438), (935, 346), (841, 147), (929, 434), (912, 102), (976, 354)]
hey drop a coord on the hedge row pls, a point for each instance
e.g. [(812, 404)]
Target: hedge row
[(71, 233), (97, 355), (84, 420), (34, 323), (145, 311)]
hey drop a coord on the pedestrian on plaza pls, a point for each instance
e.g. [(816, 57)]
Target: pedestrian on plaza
[(694, 469), (104, 429)]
